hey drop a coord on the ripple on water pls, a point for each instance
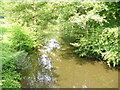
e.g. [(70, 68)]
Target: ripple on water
[(70, 70)]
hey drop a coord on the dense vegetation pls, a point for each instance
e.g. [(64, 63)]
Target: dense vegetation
[(10, 75), (94, 32), (92, 28)]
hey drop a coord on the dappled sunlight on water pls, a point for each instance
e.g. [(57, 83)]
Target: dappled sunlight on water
[(39, 75), (56, 66)]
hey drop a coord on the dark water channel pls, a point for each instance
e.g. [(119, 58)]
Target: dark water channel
[(56, 66)]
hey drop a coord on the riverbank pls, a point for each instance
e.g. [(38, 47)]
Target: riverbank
[(67, 69), (43, 44)]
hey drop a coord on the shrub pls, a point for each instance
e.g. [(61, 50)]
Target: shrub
[(103, 44), (10, 76), (89, 31), (21, 39)]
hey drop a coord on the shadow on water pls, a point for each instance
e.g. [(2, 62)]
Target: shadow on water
[(67, 52), (40, 73), (76, 72), (56, 66), (117, 68)]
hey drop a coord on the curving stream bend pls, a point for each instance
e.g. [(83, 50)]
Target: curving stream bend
[(56, 66)]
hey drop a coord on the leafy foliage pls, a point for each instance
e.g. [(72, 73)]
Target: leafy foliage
[(14, 41), (90, 33), (21, 39), (10, 76), (90, 27), (102, 44)]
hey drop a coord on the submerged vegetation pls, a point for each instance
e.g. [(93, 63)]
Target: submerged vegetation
[(92, 28)]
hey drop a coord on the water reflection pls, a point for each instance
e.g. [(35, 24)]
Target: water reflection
[(40, 75), (70, 71)]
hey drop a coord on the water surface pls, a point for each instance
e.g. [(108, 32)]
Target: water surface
[(56, 66), (75, 72)]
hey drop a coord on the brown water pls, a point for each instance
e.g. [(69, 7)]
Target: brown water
[(56, 66), (75, 72)]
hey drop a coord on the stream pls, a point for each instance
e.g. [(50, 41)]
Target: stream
[(56, 66)]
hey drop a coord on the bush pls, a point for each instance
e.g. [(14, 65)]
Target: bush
[(10, 76), (91, 32), (21, 39), (10, 60), (103, 44)]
